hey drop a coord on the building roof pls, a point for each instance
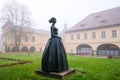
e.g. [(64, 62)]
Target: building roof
[(28, 29), (104, 18), (64, 30), (8, 23)]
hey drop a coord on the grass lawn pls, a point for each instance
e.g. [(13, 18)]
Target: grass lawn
[(87, 68), (2, 62)]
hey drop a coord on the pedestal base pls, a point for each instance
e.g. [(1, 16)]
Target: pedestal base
[(59, 75)]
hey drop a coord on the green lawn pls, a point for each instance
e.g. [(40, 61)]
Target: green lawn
[(2, 62), (87, 68)]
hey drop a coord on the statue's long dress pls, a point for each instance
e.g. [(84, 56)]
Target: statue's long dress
[(54, 57)]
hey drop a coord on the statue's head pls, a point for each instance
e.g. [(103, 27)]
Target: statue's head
[(52, 20)]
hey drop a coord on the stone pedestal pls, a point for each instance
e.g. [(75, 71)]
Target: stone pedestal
[(59, 75)]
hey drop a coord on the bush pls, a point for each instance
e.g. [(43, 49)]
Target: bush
[(109, 57)]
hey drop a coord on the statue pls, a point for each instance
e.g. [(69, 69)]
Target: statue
[(54, 56)]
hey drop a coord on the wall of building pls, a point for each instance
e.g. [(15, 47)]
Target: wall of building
[(39, 42), (72, 44), (1, 44)]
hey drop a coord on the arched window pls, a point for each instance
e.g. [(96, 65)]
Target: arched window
[(108, 49), (15, 49), (32, 49), (24, 49), (84, 49), (7, 49)]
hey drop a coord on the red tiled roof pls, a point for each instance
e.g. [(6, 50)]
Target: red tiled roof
[(104, 18)]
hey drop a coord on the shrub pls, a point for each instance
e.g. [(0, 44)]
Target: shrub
[(109, 57)]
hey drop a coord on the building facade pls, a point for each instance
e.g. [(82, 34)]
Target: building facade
[(33, 41), (97, 34), (1, 44)]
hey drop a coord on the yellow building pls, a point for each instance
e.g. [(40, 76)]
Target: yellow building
[(97, 34), (35, 41)]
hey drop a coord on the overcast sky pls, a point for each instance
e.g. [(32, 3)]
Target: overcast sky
[(66, 11)]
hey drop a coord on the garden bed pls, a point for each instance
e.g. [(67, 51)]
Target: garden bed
[(5, 62)]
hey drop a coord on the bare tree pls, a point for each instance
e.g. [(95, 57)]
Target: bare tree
[(19, 16)]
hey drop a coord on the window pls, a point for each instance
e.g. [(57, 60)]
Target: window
[(82, 25), (33, 39), (8, 37), (26, 38), (103, 21), (97, 16), (103, 34), (93, 35), (72, 37), (78, 36), (85, 35), (114, 34)]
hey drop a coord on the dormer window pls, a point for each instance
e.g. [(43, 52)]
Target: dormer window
[(103, 21), (97, 16), (82, 25)]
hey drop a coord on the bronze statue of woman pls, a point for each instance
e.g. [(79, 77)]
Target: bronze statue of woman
[(54, 57)]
